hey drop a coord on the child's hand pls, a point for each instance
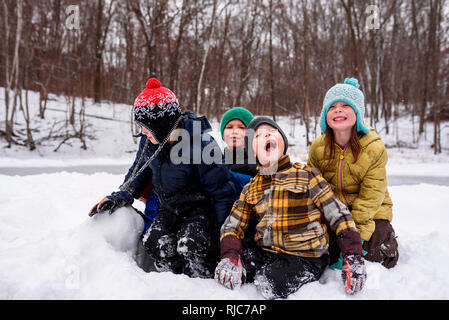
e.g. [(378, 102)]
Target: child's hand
[(229, 272), (353, 273), (112, 202)]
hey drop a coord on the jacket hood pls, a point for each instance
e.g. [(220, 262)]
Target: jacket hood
[(369, 138), (190, 124)]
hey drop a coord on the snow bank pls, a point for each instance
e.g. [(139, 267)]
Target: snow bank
[(51, 249), (121, 230)]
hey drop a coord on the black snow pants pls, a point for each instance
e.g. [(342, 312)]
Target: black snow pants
[(185, 244), (277, 275)]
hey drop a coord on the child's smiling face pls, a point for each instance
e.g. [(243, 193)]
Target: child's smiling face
[(341, 116), (234, 133), (268, 144)]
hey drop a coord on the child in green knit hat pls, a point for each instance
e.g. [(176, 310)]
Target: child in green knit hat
[(233, 127)]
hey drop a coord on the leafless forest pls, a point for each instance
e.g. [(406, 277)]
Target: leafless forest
[(275, 57)]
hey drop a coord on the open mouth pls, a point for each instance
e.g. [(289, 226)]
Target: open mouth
[(270, 145), (339, 118)]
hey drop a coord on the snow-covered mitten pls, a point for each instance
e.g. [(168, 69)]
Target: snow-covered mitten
[(353, 273), (382, 246), (230, 272), (112, 202)]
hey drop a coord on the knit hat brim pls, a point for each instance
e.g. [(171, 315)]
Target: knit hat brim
[(252, 127), (159, 120)]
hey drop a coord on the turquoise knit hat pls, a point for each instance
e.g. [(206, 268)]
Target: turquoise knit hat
[(239, 113), (350, 93)]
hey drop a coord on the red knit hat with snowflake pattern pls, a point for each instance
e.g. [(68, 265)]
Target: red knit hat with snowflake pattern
[(157, 109)]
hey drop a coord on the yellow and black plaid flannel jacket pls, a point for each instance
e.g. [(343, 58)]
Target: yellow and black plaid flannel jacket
[(292, 203)]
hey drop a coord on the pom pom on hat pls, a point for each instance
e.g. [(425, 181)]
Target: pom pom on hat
[(353, 82), (153, 83)]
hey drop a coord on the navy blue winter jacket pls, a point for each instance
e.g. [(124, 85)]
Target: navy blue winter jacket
[(240, 167), (178, 184)]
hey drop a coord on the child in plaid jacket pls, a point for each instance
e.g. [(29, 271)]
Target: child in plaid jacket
[(294, 207)]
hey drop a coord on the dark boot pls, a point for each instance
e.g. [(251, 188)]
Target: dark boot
[(143, 259)]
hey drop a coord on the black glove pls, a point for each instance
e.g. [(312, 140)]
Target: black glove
[(353, 273), (112, 202)]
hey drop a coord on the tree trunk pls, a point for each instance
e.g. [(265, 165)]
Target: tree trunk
[(14, 74), (306, 70), (348, 7), (174, 58), (199, 90), (220, 78), (271, 62)]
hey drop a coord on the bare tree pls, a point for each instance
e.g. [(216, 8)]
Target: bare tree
[(12, 75), (102, 29), (199, 91), (217, 54)]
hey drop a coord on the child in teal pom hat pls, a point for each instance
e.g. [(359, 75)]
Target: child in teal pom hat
[(352, 158), (349, 93)]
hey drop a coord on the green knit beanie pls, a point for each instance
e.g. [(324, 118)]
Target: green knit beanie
[(239, 113)]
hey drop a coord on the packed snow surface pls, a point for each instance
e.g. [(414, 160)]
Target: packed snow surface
[(51, 249)]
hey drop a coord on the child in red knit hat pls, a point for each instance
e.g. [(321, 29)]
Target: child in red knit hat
[(195, 195)]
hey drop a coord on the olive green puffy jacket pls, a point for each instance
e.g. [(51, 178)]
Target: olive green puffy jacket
[(362, 186)]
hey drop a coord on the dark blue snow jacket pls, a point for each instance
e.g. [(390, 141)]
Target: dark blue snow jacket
[(240, 180), (193, 182), (240, 168), (151, 210)]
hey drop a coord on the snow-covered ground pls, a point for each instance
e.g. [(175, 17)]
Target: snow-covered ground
[(51, 249)]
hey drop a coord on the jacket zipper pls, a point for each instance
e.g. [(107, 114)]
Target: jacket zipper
[(342, 157)]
